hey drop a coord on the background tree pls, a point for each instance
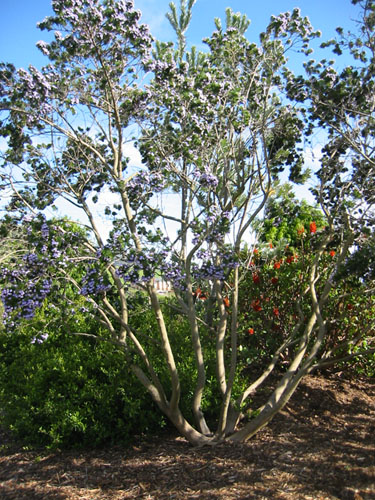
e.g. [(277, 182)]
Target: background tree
[(215, 131)]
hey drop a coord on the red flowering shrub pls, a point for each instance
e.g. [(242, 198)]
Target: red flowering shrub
[(272, 298), (256, 305)]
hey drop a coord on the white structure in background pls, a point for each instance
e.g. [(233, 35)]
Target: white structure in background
[(162, 286)]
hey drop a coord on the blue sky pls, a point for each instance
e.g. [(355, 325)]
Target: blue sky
[(18, 18)]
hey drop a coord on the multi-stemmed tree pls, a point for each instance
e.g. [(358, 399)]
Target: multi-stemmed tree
[(215, 131)]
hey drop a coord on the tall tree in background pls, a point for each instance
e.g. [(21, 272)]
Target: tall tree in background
[(215, 131)]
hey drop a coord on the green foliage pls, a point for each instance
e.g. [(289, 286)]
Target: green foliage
[(70, 391), (287, 219), (361, 262)]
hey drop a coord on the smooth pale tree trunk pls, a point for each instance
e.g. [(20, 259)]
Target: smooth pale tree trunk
[(276, 403)]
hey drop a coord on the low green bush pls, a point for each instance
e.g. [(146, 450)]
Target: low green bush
[(69, 391)]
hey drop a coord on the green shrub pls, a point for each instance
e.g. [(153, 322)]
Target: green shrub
[(70, 391)]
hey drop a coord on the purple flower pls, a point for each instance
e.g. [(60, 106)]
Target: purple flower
[(44, 230), (40, 339), (207, 179)]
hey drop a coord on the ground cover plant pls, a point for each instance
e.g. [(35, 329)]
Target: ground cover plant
[(215, 130)]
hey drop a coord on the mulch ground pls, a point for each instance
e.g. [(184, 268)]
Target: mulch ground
[(321, 447)]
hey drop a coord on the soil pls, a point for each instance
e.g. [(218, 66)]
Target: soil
[(321, 447)]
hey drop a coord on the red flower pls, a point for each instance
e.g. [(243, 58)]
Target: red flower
[(350, 307), (270, 244), (274, 280), (332, 253), (300, 230), (256, 278), (291, 258), (199, 294), (226, 301), (250, 331), (256, 251), (276, 311), (256, 305), (277, 265), (312, 227)]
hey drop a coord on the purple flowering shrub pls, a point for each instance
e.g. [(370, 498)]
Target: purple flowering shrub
[(50, 247)]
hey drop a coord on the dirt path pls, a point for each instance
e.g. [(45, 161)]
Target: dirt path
[(321, 447)]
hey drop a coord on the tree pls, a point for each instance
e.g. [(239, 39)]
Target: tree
[(215, 130)]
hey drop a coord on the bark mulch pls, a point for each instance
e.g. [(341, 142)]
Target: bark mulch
[(321, 447)]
